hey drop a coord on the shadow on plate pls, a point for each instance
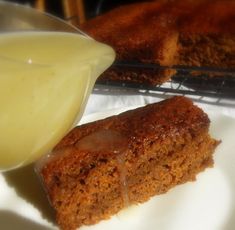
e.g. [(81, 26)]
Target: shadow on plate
[(10, 220), (27, 185), (231, 223), (225, 159)]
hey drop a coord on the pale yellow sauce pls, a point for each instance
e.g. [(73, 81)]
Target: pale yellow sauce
[(45, 78)]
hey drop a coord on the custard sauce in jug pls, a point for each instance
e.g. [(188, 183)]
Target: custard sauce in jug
[(45, 80)]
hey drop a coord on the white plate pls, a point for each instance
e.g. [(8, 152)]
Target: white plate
[(207, 204)]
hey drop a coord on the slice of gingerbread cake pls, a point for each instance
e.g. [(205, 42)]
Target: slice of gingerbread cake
[(166, 33), (104, 166)]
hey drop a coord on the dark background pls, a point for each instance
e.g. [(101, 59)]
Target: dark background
[(92, 7)]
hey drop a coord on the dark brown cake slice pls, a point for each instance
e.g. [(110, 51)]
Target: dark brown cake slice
[(101, 167)]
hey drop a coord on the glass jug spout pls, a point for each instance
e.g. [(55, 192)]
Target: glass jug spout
[(102, 59)]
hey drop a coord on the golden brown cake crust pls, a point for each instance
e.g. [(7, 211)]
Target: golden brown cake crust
[(165, 114), (91, 176)]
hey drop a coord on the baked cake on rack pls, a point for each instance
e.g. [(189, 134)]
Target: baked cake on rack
[(166, 33)]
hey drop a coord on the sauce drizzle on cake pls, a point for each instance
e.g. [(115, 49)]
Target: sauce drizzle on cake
[(109, 141)]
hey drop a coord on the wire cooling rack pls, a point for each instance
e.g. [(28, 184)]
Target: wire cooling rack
[(215, 83)]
